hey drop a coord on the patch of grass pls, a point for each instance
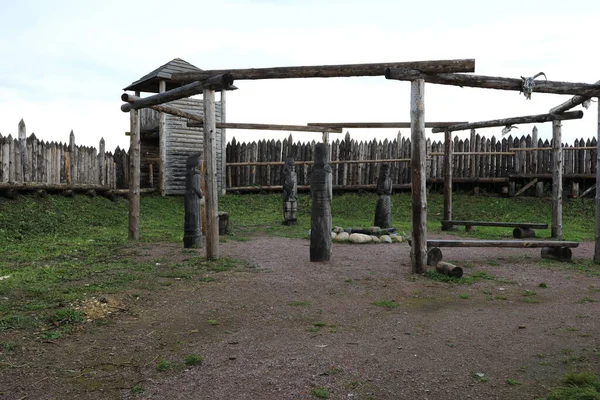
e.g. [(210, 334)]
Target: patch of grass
[(386, 303), (51, 335), (529, 293), (212, 322), (468, 280), (582, 385), (463, 296), (137, 389), (543, 285), (320, 393), (65, 316), (531, 300), (193, 359), (513, 382), (298, 303), (163, 366), (585, 300)]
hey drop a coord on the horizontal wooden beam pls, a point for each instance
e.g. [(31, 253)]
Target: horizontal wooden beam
[(216, 82), (550, 148), (475, 153), (531, 225), (263, 163), (331, 71), (494, 82), (166, 109), (500, 243), (549, 176), (571, 103), (362, 125), (269, 127), (512, 121)]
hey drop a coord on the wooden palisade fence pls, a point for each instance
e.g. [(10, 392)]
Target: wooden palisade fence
[(477, 159), (27, 163)]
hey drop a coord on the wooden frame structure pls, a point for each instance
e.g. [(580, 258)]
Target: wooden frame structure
[(582, 91), (418, 73)]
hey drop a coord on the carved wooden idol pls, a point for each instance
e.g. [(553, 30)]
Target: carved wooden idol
[(384, 190), (321, 192), (192, 227), (290, 188)]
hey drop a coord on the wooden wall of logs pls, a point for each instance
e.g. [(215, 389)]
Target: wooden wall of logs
[(27, 163), (476, 159)]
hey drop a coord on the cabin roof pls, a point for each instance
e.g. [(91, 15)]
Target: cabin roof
[(149, 82)]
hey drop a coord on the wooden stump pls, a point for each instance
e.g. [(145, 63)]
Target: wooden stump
[(434, 256), (557, 253), (522, 233), (469, 228), (223, 223), (449, 269)]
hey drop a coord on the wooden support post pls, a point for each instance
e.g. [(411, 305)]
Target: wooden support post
[(134, 179), (574, 189), (597, 228), (162, 146), (73, 156), (447, 175), (223, 143), (102, 163), (557, 173), (210, 155), (419, 197), (150, 175), (24, 156)]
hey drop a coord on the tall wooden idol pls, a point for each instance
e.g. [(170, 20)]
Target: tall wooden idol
[(290, 190), (192, 227), (384, 190), (321, 192)]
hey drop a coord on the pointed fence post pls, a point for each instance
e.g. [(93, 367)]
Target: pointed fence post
[(24, 156), (73, 157), (102, 163)]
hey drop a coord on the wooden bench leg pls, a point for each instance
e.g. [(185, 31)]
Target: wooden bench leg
[(447, 227), (557, 253), (434, 256), (469, 228), (522, 233)]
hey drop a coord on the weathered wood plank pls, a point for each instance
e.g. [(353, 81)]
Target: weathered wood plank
[(419, 194), (557, 177), (211, 202), (331, 71), (501, 243), (495, 82), (528, 119)]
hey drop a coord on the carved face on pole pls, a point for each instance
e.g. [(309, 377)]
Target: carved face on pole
[(289, 166), (321, 154)]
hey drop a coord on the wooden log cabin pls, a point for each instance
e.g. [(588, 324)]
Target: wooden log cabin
[(166, 140)]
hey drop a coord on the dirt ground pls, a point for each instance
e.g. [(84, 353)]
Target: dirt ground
[(291, 329)]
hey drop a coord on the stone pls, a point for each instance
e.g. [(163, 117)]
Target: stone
[(385, 239), (375, 239), (333, 235), (397, 239), (342, 237), (360, 238), (338, 229)]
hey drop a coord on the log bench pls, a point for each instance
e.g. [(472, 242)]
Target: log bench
[(551, 249), (522, 229)]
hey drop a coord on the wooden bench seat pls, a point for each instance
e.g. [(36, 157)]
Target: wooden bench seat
[(552, 249), (522, 229)]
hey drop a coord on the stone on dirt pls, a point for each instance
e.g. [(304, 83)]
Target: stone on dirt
[(360, 238), (385, 239), (342, 237)]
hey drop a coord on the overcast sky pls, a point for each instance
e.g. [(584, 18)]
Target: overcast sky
[(65, 63)]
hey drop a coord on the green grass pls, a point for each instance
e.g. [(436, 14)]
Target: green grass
[(513, 382), (465, 280), (387, 303), (320, 393), (298, 303), (163, 366), (576, 386), (58, 250), (193, 359)]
